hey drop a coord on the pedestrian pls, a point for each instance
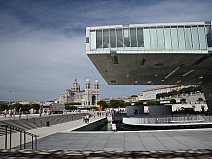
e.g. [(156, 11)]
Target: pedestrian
[(10, 113), (5, 113), (20, 113), (13, 113)]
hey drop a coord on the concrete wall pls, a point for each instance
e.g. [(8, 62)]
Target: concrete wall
[(160, 110)]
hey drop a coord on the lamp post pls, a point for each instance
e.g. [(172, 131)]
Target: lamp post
[(9, 95)]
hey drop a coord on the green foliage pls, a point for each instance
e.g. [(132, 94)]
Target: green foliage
[(70, 107), (127, 104), (153, 102), (173, 101), (116, 103), (138, 103), (3, 107), (103, 104), (26, 107), (36, 106)]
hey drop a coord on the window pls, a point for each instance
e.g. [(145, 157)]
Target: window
[(160, 38), (114, 58), (106, 38), (167, 36), (147, 42), (181, 37), (133, 37), (209, 35), (112, 38), (126, 37), (188, 38), (119, 38), (202, 40), (153, 38), (99, 39), (93, 39), (195, 37), (174, 37), (140, 37), (87, 39)]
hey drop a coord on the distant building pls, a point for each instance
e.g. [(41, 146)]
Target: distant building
[(32, 101), (88, 97), (150, 94)]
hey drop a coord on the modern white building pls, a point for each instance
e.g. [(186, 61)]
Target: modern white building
[(87, 97), (153, 54)]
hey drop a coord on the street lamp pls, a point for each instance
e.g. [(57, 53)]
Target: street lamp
[(9, 95)]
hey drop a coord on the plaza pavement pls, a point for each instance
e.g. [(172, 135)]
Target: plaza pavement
[(61, 137), (186, 139)]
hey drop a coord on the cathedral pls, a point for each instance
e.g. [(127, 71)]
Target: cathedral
[(88, 97)]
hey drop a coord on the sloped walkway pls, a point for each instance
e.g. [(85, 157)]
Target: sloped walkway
[(46, 131)]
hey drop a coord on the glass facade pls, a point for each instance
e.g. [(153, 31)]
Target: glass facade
[(195, 37)]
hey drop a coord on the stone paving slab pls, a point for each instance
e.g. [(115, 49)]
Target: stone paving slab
[(128, 141)]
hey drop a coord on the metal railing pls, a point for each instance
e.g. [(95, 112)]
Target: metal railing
[(168, 120), (9, 130)]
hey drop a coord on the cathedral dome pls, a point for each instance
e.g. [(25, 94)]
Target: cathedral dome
[(87, 81)]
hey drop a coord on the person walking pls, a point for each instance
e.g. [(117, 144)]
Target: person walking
[(5, 113), (19, 112)]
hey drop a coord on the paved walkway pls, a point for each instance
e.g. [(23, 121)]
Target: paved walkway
[(129, 141), (46, 131)]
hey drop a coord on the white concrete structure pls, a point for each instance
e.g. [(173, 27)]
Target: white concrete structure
[(88, 97)]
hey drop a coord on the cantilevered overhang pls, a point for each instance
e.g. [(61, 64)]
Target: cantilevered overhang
[(152, 54), (154, 68)]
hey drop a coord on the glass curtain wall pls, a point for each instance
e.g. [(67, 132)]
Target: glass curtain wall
[(209, 35), (167, 38), (99, 39), (188, 38), (153, 38), (147, 40), (161, 39), (174, 36)]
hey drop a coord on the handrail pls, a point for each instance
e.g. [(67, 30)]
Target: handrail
[(8, 130)]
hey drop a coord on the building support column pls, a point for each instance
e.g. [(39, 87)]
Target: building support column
[(207, 90)]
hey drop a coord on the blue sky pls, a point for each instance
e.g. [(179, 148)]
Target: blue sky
[(42, 42)]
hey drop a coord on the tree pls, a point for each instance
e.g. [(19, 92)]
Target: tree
[(26, 107), (116, 103), (70, 107), (153, 102), (173, 101), (127, 104), (103, 104), (36, 106), (3, 107), (138, 103)]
